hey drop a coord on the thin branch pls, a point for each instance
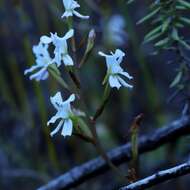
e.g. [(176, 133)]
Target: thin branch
[(160, 177), (100, 109), (119, 155)]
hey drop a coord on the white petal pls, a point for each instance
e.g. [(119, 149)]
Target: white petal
[(39, 75), (79, 15), (110, 60), (54, 119), (57, 128), (119, 53), (70, 4), (115, 67), (41, 52), (65, 110), (69, 34), (126, 75), (67, 3), (38, 49), (56, 100), (114, 58), (75, 5), (45, 76), (67, 14), (124, 83), (31, 69), (103, 54), (113, 81), (45, 39), (57, 58), (67, 128), (70, 99), (68, 60)]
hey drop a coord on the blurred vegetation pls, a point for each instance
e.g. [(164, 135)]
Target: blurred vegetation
[(26, 148)]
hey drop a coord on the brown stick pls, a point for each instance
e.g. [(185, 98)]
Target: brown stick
[(159, 177), (119, 155)]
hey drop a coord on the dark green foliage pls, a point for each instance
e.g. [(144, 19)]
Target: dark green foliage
[(168, 18)]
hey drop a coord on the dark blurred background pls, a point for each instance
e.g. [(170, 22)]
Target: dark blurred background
[(28, 156)]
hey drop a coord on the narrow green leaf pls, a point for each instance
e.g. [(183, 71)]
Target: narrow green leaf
[(150, 15), (162, 42), (176, 80), (175, 35), (153, 32), (181, 8), (130, 1), (183, 43), (165, 24), (179, 25), (151, 38), (185, 20), (184, 3)]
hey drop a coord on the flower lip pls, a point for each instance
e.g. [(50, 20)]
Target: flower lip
[(64, 113), (70, 6), (114, 70), (43, 60), (61, 48)]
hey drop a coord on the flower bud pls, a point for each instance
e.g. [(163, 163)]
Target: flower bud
[(91, 39), (89, 47)]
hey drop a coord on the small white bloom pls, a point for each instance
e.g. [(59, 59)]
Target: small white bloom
[(70, 6), (115, 30), (114, 70), (43, 60), (61, 47), (64, 114)]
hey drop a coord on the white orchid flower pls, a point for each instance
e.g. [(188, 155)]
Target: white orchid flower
[(64, 114), (114, 70), (61, 47), (70, 6), (43, 60), (115, 30)]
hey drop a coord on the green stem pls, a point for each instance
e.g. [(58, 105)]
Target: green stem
[(74, 78), (73, 44), (96, 143), (59, 79), (102, 106)]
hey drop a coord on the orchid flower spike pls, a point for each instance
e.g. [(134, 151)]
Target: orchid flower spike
[(61, 47), (114, 70), (43, 60), (64, 114), (70, 6)]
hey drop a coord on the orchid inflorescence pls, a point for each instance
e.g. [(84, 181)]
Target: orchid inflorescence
[(45, 61)]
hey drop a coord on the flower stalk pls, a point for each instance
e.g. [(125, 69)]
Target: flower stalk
[(69, 120), (58, 78), (133, 174), (102, 106)]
